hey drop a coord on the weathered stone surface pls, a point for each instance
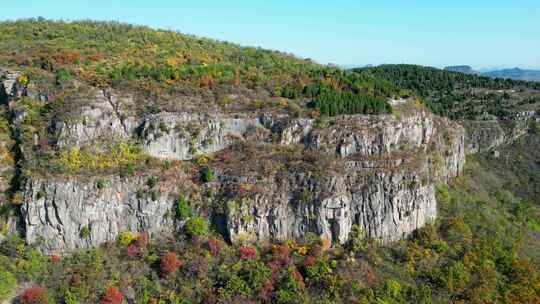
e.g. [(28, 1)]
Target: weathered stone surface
[(390, 164), (372, 135), (57, 212), (102, 118), (181, 136), (9, 86), (296, 131), (386, 185), (388, 205), (485, 135)]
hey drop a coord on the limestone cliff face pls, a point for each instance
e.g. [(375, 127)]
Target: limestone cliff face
[(488, 134), (181, 136), (104, 118), (384, 184), (62, 215), (380, 174), (388, 205)]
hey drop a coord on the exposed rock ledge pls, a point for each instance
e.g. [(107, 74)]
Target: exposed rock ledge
[(69, 214), (388, 165), (387, 193)]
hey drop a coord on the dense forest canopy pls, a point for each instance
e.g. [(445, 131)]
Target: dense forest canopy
[(458, 95)]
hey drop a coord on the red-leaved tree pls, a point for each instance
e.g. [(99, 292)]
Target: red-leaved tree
[(215, 246), (309, 261), (247, 253), (281, 254), (132, 250), (34, 295), (169, 263), (142, 240), (111, 296), (297, 276)]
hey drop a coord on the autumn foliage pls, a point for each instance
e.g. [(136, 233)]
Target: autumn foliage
[(34, 295), (111, 296), (169, 263), (247, 253), (132, 250), (215, 246)]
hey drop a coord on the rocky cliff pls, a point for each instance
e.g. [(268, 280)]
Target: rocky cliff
[(381, 177), (276, 176), (70, 214), (484, 135)]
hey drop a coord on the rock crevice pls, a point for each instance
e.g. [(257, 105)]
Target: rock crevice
[(380, 174)]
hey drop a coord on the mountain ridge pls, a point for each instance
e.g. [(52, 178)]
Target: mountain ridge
[(512, 73), (146, 166)]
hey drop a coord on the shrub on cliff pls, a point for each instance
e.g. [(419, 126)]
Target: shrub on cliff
[(7, 283), (34, 295), (207, 174), (215, 246), (34, 263), (169, 263), (319, 272), (111, 296), (152, 181), (182, 209), (87, 158), (126, 237), (247, 253), (243, 279), (196, 226), (290, 289)]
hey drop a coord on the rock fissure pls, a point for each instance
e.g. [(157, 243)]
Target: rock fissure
[(374, 171), (116, 111)]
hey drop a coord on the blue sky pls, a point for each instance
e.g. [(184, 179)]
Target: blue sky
[(482, 33)]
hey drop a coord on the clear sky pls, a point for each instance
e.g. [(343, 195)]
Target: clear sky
[(482, 33)]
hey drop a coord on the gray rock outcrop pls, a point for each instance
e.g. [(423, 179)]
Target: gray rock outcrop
[(385, 185), (181, 136), (63, 215), (381, 175), (388, 205), (485, 135)]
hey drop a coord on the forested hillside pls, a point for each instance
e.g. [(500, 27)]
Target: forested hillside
[(459, 95), (148, 166), (482, 248), (164, 64)]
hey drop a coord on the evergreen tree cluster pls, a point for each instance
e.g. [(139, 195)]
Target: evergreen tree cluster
[(457, 95), (426, 80), (331, 102)]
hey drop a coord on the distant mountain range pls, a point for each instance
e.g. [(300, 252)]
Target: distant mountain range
[(515, 73)]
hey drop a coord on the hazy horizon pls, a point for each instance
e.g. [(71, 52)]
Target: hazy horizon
[(484, 34)]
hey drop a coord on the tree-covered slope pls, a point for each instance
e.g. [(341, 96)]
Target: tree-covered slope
[(165, 64), (483, 248), (460, 95), (518, 165), (111, 132)]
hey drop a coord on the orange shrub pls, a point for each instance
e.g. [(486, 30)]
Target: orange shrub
[(111, 296), (34, 295), (247, 253), (169, 263)]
